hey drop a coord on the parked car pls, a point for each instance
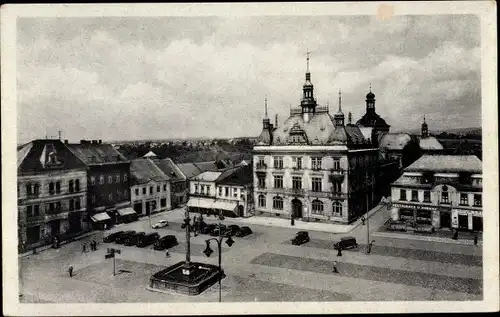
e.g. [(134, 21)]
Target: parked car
[(244, 231), (147, 239), (112, 237), (165, 242), (231, 230), (132, 240), (215, 232), (121, 238), (300, 238), (346, 243), (160, 224), (208, 228)]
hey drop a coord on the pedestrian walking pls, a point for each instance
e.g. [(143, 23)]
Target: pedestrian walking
[(167, 254), (335, 270), (84, 248), (339, 253), (70, 271), (370, 245), (475, 240)]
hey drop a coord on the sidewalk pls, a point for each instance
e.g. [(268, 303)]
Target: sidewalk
[(302, 225), (425, 238)]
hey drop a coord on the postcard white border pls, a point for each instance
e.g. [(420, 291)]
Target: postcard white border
[(486, 10)]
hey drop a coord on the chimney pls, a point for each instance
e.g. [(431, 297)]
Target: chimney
[(66, 141)]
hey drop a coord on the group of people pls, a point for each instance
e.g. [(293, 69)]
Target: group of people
[(93, 246)]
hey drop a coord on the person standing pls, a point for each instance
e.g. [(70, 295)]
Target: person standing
[(70, 271), (84, 248), (370, 245), (335, 270), (339, 253)]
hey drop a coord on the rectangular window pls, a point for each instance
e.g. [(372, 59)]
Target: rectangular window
[(278, 162), (262, 181), (101, 179), (402, 194), (196, 188), (110, 197), (445, 199), (71, 205), (296, 182), (117, 178), (202, 189), (337, 187), (158, 188), (316, 184), (144, 190), (414, 195), (36, 210), (71, 188), (220, 190), (427, 196), (110, 179), (336, 164), (150, 190), (92, 180), (297, 163), (208, 190), (137, 191), (464, 199), (29, 211), (125, 177), (261, 161), (235, 192), (278, 203), (164, 187), (316, 163), (58, 187), (28, 189), (278, 181), (477, 200), (77, 185), (77, 204), (163, 202), (227, 191)]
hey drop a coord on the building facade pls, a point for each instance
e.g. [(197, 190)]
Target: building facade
[(178, 181), (150, 188), (52, 191), (442, 191), (314, 167), (108, 182), (226, 192)]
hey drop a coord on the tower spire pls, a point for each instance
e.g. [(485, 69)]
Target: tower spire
[(265, 115), (340, 100), (307, 52), (370, 87)]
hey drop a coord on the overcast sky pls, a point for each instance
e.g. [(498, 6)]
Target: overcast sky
[(175, 77)]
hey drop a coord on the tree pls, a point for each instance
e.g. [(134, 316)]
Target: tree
[(411, 152)]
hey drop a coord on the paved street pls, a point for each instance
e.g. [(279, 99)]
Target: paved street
[(261, 267)]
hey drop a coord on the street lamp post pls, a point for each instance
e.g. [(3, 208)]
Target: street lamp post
[(208, 251)]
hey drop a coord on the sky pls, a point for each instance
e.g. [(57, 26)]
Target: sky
[(130, 78)]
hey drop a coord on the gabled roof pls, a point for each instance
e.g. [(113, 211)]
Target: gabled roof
[(239, 176), (170, 169), (93, 154), (144, 170), (207, 166), (189, 169), (430, 143), (207, 176), (447, 163), (150, 154), (46, 154)]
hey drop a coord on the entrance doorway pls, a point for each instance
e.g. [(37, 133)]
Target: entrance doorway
[(138, 208), (75, 223), (148, 208), (445, 219), (241, 210), (463, 222), (54, 227), (477, 223), (297, 208)]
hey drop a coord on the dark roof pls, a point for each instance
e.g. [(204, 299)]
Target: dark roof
[(189, 169), (36, 156), (170, 169), (240, 176), (207, 166), (145, 170), (372, 119), (92, 154)]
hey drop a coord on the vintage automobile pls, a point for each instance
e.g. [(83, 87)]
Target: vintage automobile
[(132, 240), (231, 230), (244, 231), (160, 224), (165, 242), (215, 232), (122, 237), (208, 228), (147, 239), (300, 238), (346, 243), (112, 237)]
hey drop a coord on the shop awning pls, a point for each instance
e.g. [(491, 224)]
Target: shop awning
[(195, 202), (102, 216), (126, 211)]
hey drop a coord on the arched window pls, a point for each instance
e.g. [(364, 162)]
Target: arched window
[(262, 201), (317, 207), (277, 203), (337, 209), (37, 189), (58, 187), (77, 185), (71, 188)]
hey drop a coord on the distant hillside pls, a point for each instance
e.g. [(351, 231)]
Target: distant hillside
[(473, 131)]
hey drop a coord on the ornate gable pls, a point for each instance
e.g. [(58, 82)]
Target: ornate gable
[(297, 135)]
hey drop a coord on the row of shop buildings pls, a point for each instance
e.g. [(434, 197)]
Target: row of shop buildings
[(66, 189)]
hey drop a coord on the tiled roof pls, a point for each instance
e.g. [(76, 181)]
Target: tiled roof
[(207, 176), (189, 169), (35, 156), (96, 153), (169, 168), (394, 141), (206, 166), (447, 163), (241, 176), (144, 170), (430, 143)]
